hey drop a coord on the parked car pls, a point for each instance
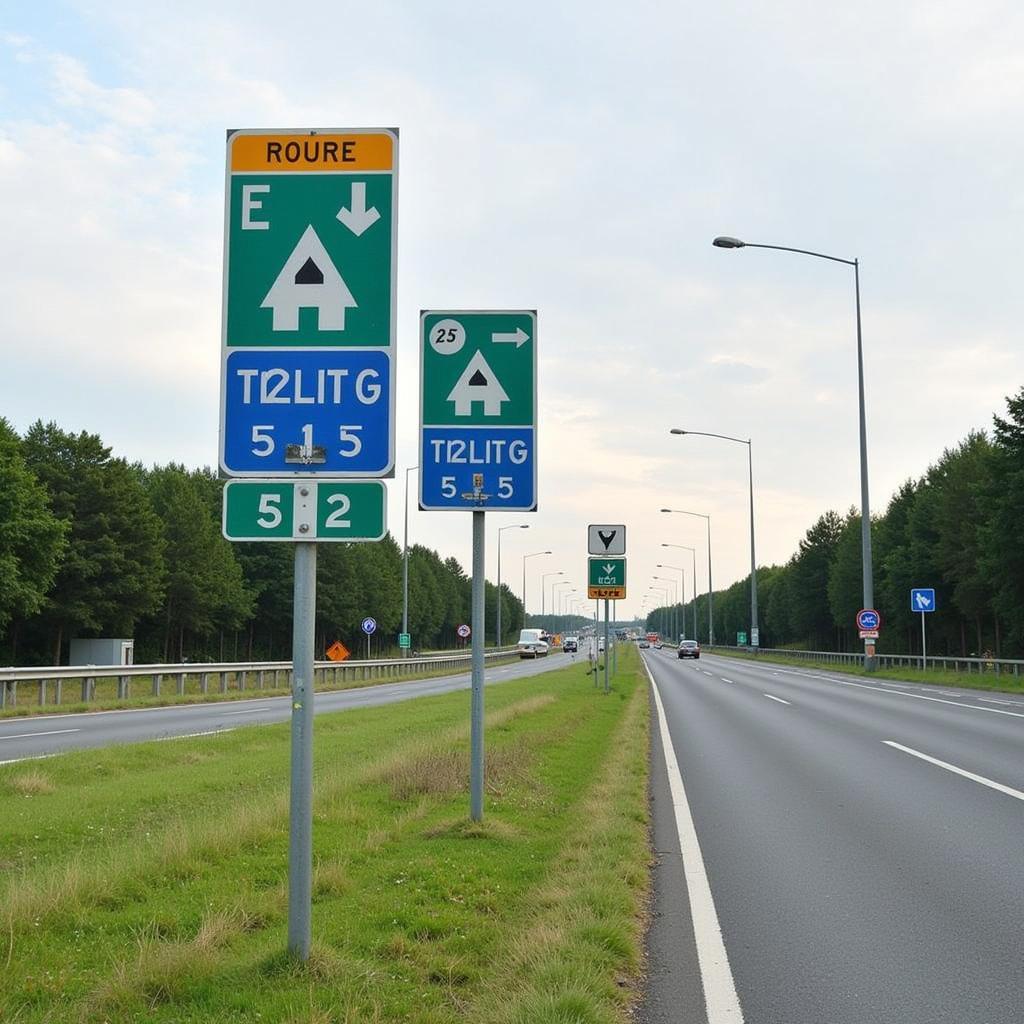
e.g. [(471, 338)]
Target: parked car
[(689, 649), (532, 644), (571, 644)]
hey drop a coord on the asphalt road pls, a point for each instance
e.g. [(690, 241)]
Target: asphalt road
[(51, 734), (863, 843)]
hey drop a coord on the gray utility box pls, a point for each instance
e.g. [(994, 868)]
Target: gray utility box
[(102, 652)]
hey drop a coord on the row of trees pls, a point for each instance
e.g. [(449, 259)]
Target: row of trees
[(957, 529), (91, 545)]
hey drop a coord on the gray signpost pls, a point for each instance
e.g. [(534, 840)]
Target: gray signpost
[(307, 386), (478, 443)]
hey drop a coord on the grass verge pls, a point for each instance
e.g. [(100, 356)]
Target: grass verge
[(935, 677), (106, 698), (148, 883)]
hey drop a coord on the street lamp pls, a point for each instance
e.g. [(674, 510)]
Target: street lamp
[(660, 594), (693, 559), (525, 557), (674, 615), (543, 578), (405, 563), (755, 637), (501, 529), (711, 612), (682, 591), (554, 590), (727, 242)]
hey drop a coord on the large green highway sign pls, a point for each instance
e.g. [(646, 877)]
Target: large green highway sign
[(309, 304), (335, 510), (478, 410)]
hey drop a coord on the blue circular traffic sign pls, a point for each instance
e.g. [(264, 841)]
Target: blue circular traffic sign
[(369, 625), (868, 618)]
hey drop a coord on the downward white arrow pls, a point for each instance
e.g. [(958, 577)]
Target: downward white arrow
[(519, 338), (359, 218), (609, 569)]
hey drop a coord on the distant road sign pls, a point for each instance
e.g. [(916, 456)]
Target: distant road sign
[(868, 618), (922, 599), (869, 634), (337, 651), (463, 631), (478, 410), (308, 335), (369, 626), (404, 640), (606, 578), (320, 510), (741, 639), (606, 540)]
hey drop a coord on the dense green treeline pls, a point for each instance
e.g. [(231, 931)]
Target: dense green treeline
[(91, 545), (956, 529)]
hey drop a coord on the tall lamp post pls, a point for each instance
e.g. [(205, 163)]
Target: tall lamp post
[(501, 530), (711, 611), (693, 577), (755, 633), (405, 562), (673, 615), (543, 585), (659, 594), (682, 591), (727, 242), (525, 557)]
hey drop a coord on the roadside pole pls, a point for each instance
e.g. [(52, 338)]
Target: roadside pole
[(300, 819), (607, 653), (476, 738), (615, 648), (924, 647)]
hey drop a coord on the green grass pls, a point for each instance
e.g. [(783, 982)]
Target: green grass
[(148, 883), (1002, 683), (106, 698)]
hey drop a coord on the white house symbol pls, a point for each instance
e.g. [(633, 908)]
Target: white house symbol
[(309, 280), (477, 384)]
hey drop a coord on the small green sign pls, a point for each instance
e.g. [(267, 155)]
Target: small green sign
[(607, 572), (741, 639), (278, 510), (405, 640)]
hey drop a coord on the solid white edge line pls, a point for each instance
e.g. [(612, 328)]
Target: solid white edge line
[(779, 699), (192, 735), (720, 998), (998, 786)]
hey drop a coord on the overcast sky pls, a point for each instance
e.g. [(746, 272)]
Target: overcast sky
[(575, 158)]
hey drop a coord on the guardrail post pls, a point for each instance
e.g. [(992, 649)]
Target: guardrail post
[(181, 684), (259, 679), (3, 694), (123, 691), (157, 680), (223, 681), (58, 690), (204, 682), (42, 692)]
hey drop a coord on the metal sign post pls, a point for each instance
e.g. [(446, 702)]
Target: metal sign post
[(607, 652), (307, 386), (476, 711), (478, 443), (922, 599)]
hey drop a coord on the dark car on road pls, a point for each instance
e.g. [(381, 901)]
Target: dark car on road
[(689, 649)]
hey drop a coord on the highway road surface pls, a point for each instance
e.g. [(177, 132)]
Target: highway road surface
[(50, 734), (853, 849)]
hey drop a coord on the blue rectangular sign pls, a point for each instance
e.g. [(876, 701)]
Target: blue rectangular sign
[(451, 456), (922, 599), (332, 404)]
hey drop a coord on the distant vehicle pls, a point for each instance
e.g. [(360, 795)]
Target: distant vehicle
[(644, 643), (571, 644), (600, 645), (689, 649), (532, 644), (654, 639)]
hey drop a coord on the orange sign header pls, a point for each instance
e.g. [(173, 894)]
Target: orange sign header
[(312, 151)]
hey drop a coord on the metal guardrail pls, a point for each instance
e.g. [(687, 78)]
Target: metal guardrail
[(252, 675), (969, 666)]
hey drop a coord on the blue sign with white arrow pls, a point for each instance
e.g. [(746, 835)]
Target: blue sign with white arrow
[(922, 599)]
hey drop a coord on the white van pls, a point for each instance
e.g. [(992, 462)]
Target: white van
[(531, 644)]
